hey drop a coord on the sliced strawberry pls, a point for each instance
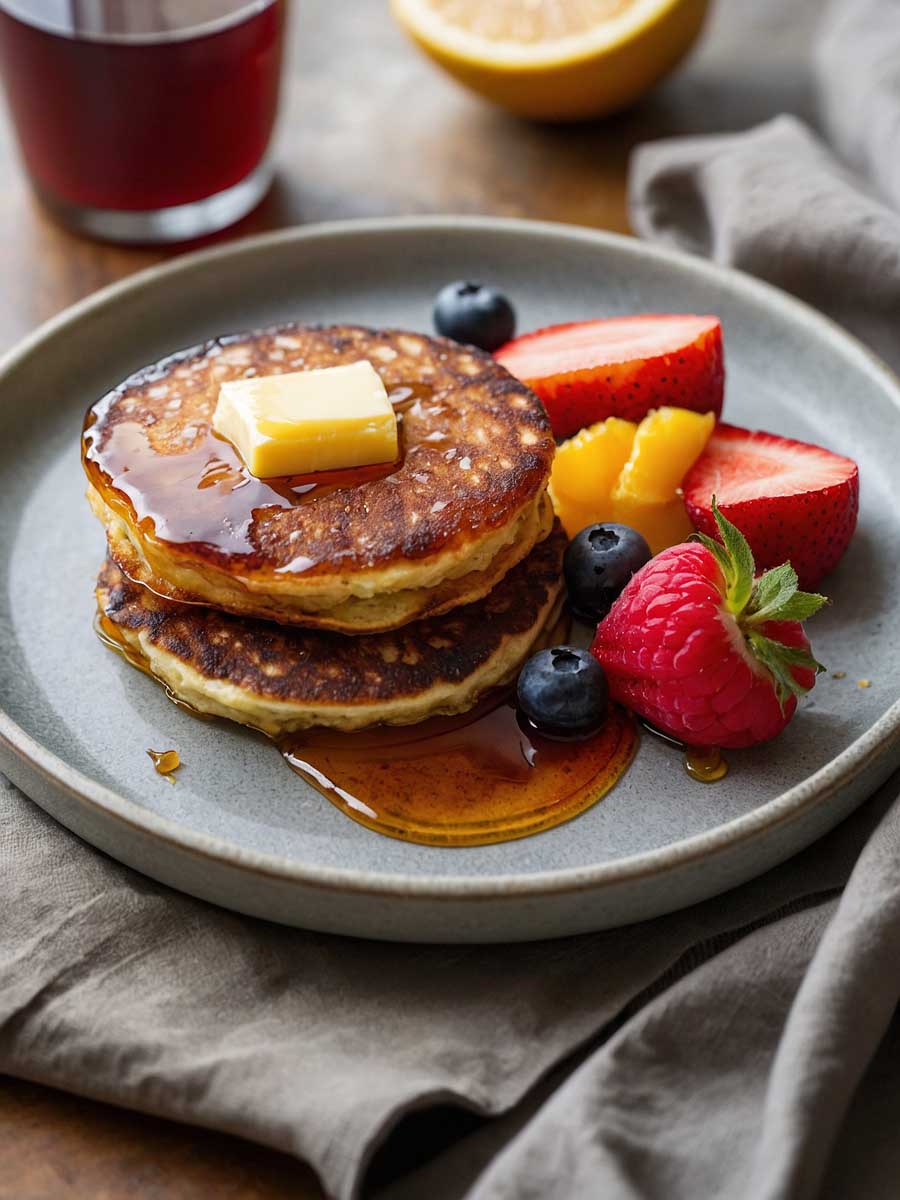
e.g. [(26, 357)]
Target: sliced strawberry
[(620, 367), (792, 501)]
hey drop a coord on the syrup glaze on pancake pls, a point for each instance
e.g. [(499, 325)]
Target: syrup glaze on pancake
[(476, 454), (279, 679), (387, 610)]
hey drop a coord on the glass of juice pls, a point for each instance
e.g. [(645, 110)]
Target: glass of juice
[(144, 120)]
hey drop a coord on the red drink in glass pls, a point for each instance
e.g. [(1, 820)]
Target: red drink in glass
[(144, 120)]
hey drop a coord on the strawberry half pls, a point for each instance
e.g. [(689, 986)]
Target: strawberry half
[(791, 500), (705, 652), (620, 367)]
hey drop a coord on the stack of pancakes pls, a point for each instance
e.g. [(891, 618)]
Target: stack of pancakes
[(388, 594)]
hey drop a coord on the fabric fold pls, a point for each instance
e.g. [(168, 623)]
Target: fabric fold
[(856, 69), (733, 1082), (747, 200), (125, 991)]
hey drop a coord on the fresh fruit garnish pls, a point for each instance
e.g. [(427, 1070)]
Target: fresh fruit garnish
[(620, 367), (667, 444), (791, 500), (598, 563), (616, 470), (704, 651), (587, 467), (646, 494), (474, 314), (554, 61), (663, 525), (563, 693), (575, 517)]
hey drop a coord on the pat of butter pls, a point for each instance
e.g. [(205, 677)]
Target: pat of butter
[(307, 421)]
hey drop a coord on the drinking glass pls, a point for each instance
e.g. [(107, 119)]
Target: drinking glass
[(144, 120)]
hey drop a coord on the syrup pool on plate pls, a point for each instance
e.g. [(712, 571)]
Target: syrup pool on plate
[(467, 780), (165, 762), (462, 781), (705, 764)]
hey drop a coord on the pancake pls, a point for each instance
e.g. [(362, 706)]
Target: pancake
[(279, 679), (357, 551), (388, 611)]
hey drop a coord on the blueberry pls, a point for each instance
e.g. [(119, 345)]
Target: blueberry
[(563, 693), (599, 562), (474, 314)]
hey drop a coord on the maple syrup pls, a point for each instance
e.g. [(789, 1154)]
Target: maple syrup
[(705, 764), (480, 777), (109, 635), (204, 494), (463, 781), (450, 781), (165, 762)]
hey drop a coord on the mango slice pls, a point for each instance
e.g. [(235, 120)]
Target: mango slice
[(662, 524), (618, 471), (587, 466), (667, 444)]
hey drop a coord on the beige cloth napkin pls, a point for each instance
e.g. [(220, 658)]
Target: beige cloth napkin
[(115, 987)]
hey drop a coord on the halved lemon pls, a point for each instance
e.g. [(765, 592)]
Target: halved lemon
[(555, 59)]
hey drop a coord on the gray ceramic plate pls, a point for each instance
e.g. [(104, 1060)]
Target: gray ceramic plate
[(243, 831)]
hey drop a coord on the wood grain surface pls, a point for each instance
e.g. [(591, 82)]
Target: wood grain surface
[(368, 128)]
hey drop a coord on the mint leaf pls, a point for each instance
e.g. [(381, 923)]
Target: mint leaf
[(779, 659), (773, 588), (772, 597), (781, 675), (776, 598), (719, 553), (798, 607), (742, 566)]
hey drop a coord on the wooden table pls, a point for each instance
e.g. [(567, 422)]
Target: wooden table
[(368, 128), (394, 137)]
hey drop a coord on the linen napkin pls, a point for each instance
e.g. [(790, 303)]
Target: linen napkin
[(116, 987), (739, 1049)]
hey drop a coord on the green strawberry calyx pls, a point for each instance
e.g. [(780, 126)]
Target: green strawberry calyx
[(774, 596)]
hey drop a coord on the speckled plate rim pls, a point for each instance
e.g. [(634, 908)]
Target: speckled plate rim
[(879, 740)]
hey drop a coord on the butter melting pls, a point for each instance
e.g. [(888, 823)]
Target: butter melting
[(204, 494)]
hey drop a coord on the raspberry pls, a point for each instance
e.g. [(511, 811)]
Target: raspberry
[(705, 652)]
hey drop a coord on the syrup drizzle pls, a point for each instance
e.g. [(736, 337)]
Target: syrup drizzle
[(201, 493), (463, 781), (705, 764), (165, 762), (468, 780)]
